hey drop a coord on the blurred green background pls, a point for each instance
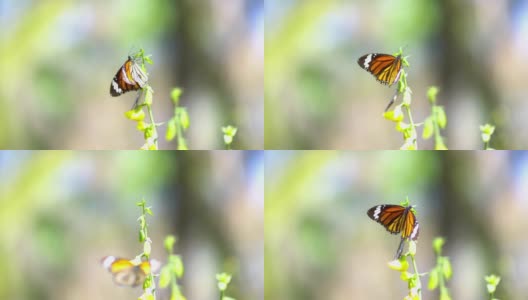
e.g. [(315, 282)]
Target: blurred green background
[(317, 97), (320, 243), (58, 58), (63, 211)]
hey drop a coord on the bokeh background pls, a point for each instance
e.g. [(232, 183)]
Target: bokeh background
[(317, 97), (58, 57), (61, 212), (320, 243)]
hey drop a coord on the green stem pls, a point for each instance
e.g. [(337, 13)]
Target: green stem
[(441, 278), (419, 283), (181, 139), (151, 115), (438, 137), (147, 256), (413, 126)]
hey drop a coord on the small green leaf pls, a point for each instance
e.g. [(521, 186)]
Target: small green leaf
[(446, 268), (412, 248), (141, 126), (441, 117), (395, 115), (171, 130), (408, 145), (398, 265), (182, 145), (136, 114), (165, 277), (148, 96), (431, 93), (229, 133), (405, 276), (439, 145), (149, 211), (408, 133), (223, 281), (407, 97), (184, 117), (491, 288), (147, 248), (492, 281), (487, 130), (402, 126), (142, 236), (149, 131), (147, 283), (433, 279), (147, 297), (169, 242), (444, 294), (178, 266), (428, 128), (438, 243), (175, 95)]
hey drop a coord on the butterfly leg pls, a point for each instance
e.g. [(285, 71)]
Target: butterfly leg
[(137, 99), (400, 249), (392, 100)]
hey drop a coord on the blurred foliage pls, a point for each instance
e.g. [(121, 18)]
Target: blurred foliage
[(58, 59), (63, 211), (321, 244), (317, 97)]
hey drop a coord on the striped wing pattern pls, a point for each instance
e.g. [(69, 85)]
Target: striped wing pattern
[(130, 77), (396, 219), (385, 67)]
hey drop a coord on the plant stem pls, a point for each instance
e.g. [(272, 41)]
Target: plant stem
[(181, 140), (438, 137), (151, 116), (413, 126), (419, 283)]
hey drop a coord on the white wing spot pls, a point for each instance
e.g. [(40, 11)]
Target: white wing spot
[(116, 87), (415, 231), (367, 61), (377, 211)]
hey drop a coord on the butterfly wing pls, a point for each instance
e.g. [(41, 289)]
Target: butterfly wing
[(130, 77), (130, 277), (385, 67), (396, 219), (125, 272), (388, 215), (410, 228)]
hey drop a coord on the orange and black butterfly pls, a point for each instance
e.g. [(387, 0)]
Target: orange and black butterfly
[(130, 77), (396, 219), (385, 67), (127, 272)]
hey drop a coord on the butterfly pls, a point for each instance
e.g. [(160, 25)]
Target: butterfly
[(396, 219), (127, 272), (130, 77), (385, 67)]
